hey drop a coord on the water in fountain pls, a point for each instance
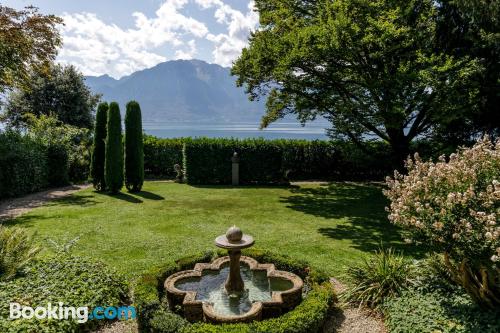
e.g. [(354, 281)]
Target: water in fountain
[(210, 288)]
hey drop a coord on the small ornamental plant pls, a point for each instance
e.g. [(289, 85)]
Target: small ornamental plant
[(453, 206)]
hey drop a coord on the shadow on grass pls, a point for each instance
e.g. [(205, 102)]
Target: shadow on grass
[(79, 200), (123, 196), (149, 195), (363, 208), (25, 220), (243, 187)]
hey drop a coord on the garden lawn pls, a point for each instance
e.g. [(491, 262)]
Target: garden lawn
[(330, 225)]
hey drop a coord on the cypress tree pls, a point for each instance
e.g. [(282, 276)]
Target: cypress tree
[(134, 150), (114, 150), (98, 149)]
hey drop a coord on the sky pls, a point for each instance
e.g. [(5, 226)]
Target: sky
[(119, 37)]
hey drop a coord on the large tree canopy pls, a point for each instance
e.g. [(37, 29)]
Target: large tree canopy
[(62, 93), (372, 67), (472, 28), (28, 42)]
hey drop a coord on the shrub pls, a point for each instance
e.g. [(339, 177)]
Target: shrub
[(113, 165), (16, 251), (309, 316), (58, 165), (438, 311), (453, 207), (23, 165), (384, 275), (99, 148), (49, 131), (76, 281), (134, 151)]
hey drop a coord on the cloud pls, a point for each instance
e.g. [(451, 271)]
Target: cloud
[(228, 46), (187, 54), (97, 47)]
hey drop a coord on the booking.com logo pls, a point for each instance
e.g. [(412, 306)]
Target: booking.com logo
[(80, 314)]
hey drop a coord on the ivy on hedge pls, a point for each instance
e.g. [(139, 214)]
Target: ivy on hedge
[(309, 316)]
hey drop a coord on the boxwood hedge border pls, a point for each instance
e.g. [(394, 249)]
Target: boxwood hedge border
[(308, 317)]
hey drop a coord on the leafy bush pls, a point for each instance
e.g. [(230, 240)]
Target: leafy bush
[(453, 207), (113, 165), (134, 150), (23, 165), (50, 131), (99, 148), (76, 281), (384, 275), (438, 311), (309, 316), (16, 251)]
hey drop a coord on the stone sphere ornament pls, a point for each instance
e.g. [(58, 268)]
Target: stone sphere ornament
[(234, 234)]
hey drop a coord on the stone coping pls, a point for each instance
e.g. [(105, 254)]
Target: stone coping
[(245, 242), (196, 310)]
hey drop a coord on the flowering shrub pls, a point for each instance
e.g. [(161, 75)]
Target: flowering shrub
[(454, 207)]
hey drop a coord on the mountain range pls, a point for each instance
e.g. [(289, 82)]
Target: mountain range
[(181, 91)]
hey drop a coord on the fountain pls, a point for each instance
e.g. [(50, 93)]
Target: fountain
[(233, 288), (234, 241)]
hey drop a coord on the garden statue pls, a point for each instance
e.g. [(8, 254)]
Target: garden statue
[(179, 176)]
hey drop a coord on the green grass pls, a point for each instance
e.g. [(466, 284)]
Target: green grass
[(331, 226)]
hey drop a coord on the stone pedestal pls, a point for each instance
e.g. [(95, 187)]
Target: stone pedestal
[(234, 282), (235, 180)]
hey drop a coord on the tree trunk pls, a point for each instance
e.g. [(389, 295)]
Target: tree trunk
[(400, 148)]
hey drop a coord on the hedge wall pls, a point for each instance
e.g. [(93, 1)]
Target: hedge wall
[(160, 155), (208, 160), (307, 317), (23, 165), (28, 166)]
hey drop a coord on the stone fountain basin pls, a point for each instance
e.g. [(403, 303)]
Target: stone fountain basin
[(197, 310)]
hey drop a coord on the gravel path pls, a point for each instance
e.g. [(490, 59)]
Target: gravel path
[(129, 326), (11, 208), (352, 320)]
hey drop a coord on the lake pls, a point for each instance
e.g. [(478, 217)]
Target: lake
[(282, 130)]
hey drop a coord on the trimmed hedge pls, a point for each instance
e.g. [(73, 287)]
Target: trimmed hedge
[(23, 165), (160, 155), (208, 160), (309, 316)]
